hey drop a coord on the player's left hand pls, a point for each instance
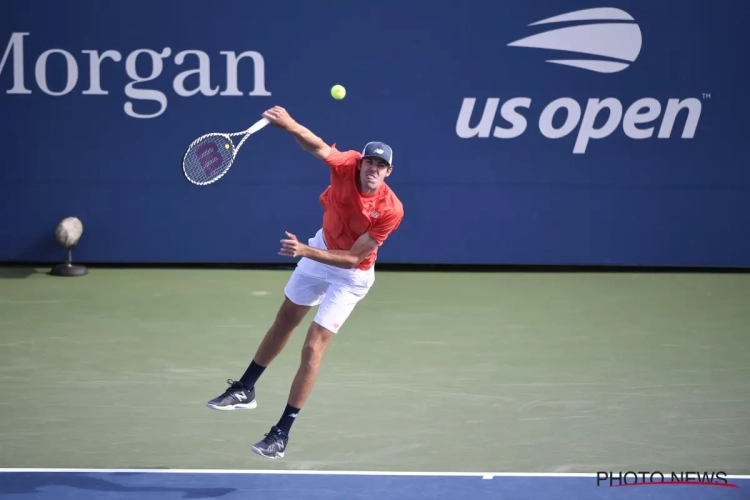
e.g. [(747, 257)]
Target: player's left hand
[(291, 247)]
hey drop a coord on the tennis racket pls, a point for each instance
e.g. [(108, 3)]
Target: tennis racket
[(209, 157)]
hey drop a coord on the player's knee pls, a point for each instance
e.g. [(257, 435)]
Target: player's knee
[(315, 344)]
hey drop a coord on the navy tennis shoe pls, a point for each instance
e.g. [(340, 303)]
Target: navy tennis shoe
[(273, 445), (236, 397)]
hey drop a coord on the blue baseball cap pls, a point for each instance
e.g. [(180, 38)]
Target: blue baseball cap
[(378, 150)]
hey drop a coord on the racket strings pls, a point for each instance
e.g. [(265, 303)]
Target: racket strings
[(208, 159)]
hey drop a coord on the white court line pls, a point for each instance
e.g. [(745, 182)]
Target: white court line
[(483, 475)]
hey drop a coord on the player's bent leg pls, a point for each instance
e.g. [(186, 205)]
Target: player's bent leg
[(316, 343), (337, 306), (302, 292), (275, 442)]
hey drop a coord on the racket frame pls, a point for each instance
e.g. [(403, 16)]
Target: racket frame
[(235, 149)]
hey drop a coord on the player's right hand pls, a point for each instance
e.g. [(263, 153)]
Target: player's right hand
[(278, 117)]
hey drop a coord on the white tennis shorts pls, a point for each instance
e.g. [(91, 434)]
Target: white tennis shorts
[(334, 289)]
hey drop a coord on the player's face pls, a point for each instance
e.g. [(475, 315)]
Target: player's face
[(372, 173)]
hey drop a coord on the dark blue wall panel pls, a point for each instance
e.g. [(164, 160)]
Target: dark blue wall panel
[(678, 195)]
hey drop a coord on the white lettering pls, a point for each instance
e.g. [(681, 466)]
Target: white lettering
[(634, 116), (508, 113), (95, 62), (464, 130), (40, 72), (548, 114), (16, 43), (587, 130), (642, 111), (13, 55), (203, 72), (259, 72), (157, 66), (674, 106)]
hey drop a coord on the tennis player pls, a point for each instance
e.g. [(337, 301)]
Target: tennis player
[(335, 272)]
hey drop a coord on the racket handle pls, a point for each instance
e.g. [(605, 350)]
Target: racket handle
[(258, 125)]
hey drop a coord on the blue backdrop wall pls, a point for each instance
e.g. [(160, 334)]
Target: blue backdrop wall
[(524, 132)]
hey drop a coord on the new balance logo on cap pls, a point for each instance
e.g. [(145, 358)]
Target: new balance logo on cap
[(378, 150)]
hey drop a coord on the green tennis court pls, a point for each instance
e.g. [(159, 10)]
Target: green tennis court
[(459, 372)]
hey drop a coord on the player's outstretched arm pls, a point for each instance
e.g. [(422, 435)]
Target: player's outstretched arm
[(310, 142), (346, 259)]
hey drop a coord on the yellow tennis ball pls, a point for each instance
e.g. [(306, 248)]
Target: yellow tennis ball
[(338, 91), (226, 146)]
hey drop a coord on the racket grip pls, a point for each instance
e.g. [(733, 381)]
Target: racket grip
[(258, 125)]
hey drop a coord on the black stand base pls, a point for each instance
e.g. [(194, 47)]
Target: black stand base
[(69, 270)]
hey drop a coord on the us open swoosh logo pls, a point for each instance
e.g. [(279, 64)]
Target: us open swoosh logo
[(615, 37)]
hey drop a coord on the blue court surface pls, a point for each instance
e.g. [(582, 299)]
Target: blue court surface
[(78, 484)]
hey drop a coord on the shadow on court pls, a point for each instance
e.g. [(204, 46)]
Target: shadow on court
[(18, 273), (81, 485), (35, 483)]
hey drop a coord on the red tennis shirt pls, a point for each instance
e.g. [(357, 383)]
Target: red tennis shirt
[(348, 214)]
